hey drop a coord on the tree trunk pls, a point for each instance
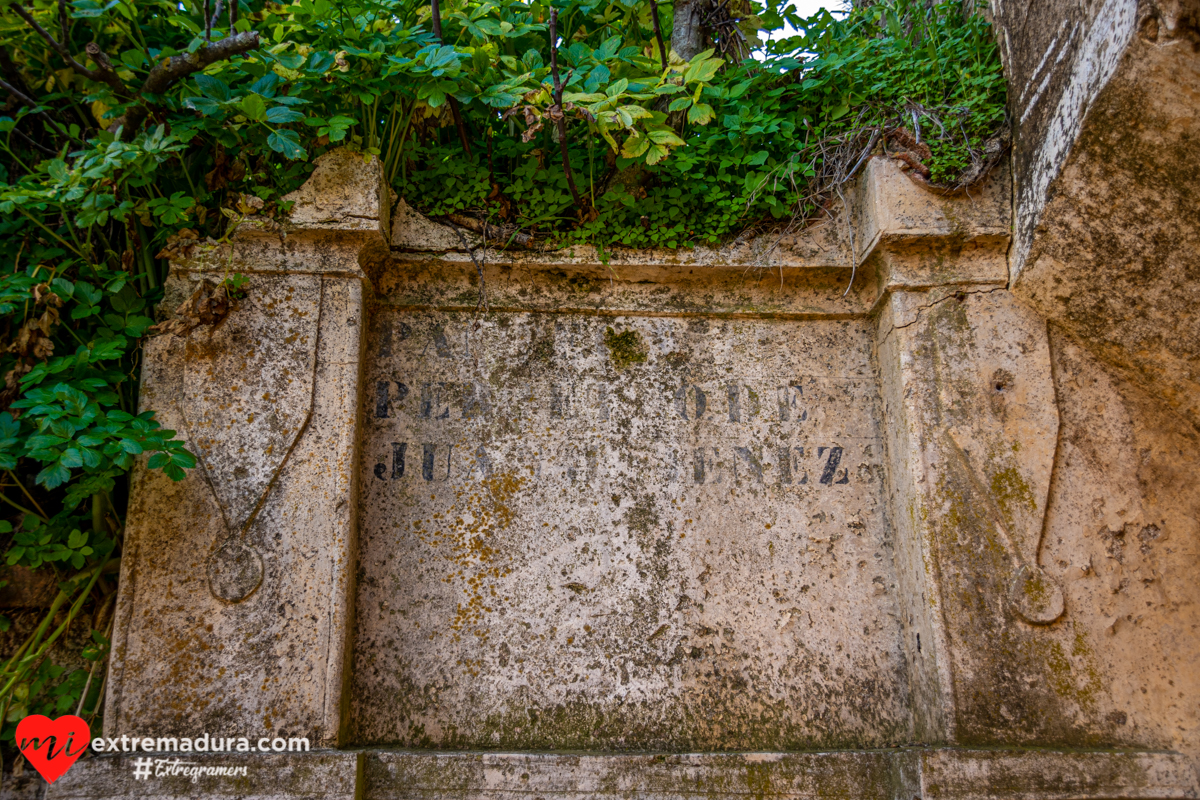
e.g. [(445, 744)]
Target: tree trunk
[(687, 32)]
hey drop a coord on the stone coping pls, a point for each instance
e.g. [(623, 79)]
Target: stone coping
[(893, 774), (892, 233)]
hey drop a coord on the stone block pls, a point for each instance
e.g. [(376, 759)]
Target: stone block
[(891, 207), (1107, 239), (588, 532), (1021, 536), (345, 192), (236, 587), (235, 583), (972, 442), (249, 776), (894, 774), (497, 776), (1051, 775)]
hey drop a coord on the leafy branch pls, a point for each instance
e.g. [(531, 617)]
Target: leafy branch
[(164, 75)]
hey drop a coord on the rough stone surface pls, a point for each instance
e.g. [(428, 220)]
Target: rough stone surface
[(26, 786), (272, 776), (345, 192), (236, 585), (898, 774), (409, 776), (1000, 775), (989, 490), (969, 396), (624, 532), (690, 504), (1107, 169), (270, 480), (1122, 538)]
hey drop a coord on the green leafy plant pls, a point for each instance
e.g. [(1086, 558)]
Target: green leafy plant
[(235, 285)]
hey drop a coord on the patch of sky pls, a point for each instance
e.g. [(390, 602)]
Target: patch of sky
[(802, 9)]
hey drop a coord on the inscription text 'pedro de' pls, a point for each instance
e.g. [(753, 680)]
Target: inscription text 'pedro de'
[(567, 547)]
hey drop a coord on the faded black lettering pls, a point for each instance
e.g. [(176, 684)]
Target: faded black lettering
[(789, 399), (432, 404), (427, 462), (476, 404), (733, 392), (398, 450), (483, 463), (751, 461), (561, 400), (681, 401), (381, 400), (831, 465)]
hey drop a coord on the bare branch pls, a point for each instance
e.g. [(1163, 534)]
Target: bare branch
[(436, 19), (43, 148), (29, 101), (216, 15), (174, 69), (662, 52), (64, 25), (556, 110), (167, 73), (101, 75), (105, 69)]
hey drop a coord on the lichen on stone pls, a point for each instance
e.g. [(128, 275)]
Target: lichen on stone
[(625, 348)]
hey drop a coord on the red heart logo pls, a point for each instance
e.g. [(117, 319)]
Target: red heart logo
[(52, 745)]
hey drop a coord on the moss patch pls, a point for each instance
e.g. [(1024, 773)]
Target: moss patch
[(625, 348)]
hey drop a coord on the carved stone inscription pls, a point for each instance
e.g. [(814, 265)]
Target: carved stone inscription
[(656, 533)]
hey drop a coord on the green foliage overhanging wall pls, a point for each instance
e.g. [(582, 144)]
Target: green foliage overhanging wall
[(129, 123)]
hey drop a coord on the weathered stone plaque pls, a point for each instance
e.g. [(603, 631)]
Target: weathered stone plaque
[(624, 532), (640, 506)]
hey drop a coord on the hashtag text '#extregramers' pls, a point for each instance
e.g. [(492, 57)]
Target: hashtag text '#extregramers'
[(167, 767), (200, 744)]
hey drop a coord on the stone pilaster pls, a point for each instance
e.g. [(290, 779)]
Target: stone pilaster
[(236, 593)]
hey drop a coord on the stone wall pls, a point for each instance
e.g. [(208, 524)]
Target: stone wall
[(647, 514), (1103, 98)]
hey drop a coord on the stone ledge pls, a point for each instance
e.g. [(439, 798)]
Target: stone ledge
[(899, 774), (904, 236), (329, 774), (1053, 775)]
